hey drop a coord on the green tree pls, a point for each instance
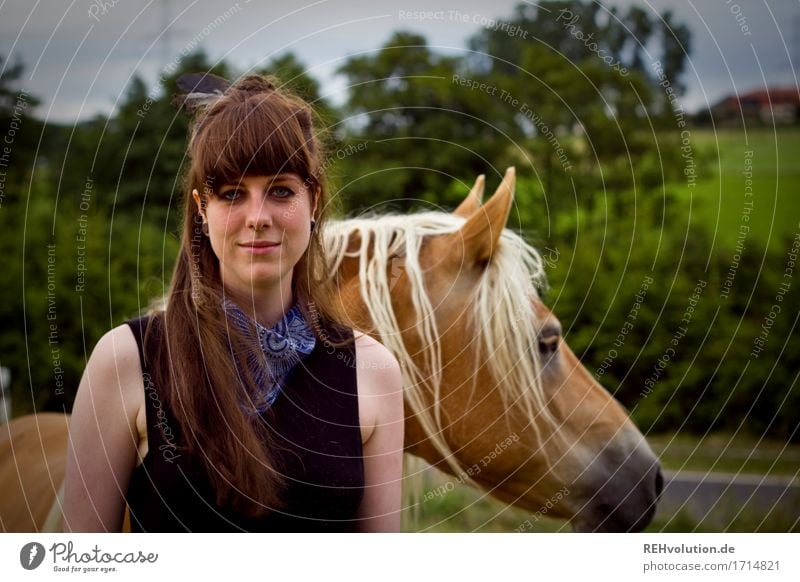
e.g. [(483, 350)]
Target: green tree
[(141, 154), (291, 71), (19, 132), (623, 290), (422, 129), (567, 96)]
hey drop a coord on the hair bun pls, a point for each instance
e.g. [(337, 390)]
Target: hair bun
[(255, 84)]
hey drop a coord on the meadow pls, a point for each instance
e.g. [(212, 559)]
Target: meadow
[(773, 158)]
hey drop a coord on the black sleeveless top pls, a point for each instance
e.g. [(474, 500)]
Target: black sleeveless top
[(317, 432)]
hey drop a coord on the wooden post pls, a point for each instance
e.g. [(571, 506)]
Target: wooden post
[(5, 395)]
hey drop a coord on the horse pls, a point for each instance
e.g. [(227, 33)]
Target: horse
[(493, 394)]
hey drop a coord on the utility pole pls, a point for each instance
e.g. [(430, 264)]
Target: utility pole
[(166, 34), (794, 42)]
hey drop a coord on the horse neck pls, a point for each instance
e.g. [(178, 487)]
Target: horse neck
[(348, 293)]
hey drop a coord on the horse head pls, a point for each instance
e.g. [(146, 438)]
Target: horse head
[(494, 395)]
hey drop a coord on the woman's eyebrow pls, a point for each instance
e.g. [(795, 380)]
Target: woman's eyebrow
[(287, 177), (276, 179)]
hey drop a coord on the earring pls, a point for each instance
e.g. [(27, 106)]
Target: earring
[(313, 224), (204, 228)]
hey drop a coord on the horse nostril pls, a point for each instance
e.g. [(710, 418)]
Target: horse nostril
[(659, 483)]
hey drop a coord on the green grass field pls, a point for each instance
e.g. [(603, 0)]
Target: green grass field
[(725, 453), (461, 508), (718, 199)]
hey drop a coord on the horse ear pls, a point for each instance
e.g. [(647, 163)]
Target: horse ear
[(473, 200), (481, 233)]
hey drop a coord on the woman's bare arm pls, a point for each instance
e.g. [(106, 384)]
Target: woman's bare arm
[(103, 439), (380, 391)]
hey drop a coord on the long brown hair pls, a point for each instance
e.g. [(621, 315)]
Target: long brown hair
[(255, 128)]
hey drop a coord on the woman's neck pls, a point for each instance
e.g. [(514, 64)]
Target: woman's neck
[(266, 306)]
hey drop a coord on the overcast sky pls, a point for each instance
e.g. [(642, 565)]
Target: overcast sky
[(81, 55)]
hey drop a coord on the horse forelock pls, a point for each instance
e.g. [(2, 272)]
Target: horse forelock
[(502, 311)]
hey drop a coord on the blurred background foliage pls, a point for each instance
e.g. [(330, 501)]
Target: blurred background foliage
[(602, 189)]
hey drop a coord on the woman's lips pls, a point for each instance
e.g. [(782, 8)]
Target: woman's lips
[(261, 247)]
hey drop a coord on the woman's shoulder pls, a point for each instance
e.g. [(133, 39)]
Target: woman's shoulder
[(376, 362), (114, 366), (367, 342), (380, 390), (117, 344)]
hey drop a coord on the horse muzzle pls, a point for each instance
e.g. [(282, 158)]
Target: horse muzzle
[(623, 497)]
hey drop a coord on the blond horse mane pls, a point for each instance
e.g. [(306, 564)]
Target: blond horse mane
[(502, 312)]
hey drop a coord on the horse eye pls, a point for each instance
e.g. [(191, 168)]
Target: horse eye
[(548, 341)]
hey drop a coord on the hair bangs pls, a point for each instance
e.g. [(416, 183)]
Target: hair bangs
[(254, 138)]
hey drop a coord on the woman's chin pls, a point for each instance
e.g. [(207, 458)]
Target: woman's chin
[(257, 281), (265, 282)]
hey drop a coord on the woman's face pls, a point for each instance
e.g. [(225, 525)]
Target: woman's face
[(259, 229)]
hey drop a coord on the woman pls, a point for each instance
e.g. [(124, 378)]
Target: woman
[(237, 407)]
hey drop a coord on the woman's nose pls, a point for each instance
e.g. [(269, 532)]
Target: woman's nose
[(258, 214)]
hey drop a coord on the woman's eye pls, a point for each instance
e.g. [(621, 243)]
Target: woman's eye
[(231, 194), (282, 192)]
